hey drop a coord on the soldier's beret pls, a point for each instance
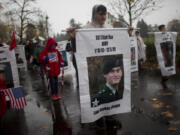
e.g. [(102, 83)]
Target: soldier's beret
[(111, 63)]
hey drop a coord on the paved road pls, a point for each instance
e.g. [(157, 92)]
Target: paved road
[(155, 111)]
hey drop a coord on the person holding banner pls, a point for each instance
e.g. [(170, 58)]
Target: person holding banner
[(162, 28), (165, 43), (141, 49), (97, 21), (99, 14), (52, 59), (112, 73), (167, 50)]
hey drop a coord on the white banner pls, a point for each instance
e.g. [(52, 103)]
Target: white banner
[(67, 58), (20, 57), (165, 44), (62, 49), (103, 60), (141, 49), (8, 67), (134, 54)]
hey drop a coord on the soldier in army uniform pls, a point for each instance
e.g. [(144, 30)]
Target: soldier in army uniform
[(113, 73), (133, 60)]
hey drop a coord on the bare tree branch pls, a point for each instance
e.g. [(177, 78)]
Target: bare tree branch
[(132, 9), (23, 10)]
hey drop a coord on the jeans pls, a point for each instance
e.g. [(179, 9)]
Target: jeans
[(75, 66), (41, 71), (54, 85)]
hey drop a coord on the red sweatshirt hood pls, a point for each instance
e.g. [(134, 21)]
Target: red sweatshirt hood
[(50, 42)]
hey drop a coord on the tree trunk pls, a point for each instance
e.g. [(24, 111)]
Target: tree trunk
[(21, 32), (130, 14)]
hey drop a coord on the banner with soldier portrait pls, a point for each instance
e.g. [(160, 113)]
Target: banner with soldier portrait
[(20, 57), (61, 46), (103, 61), (165, 43), (8, 68), (134, 54), (69, 70)]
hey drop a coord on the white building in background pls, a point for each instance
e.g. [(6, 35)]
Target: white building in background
[(114, 21), (111, 19)]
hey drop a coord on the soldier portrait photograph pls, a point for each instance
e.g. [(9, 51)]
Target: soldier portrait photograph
[(19, 60), (133, 60), (6, 74), (106, 79), (167, 52)]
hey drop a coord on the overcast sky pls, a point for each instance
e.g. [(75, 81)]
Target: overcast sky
[(61, 11)]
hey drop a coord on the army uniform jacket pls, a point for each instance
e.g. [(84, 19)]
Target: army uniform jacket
[(108, 94)]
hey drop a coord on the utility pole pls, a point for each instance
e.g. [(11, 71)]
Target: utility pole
[(47, 26)]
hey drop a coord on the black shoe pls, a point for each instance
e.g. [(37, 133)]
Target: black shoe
[(112, 123), (42, 77), (77, 87), (164, 78), (100, 123), (164, 84)]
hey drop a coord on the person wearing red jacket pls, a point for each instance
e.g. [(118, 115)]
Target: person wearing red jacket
[(3, 105), (52, 61)]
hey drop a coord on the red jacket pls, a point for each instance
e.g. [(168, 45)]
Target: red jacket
[(3, 106), (2, 84), (51, 58)]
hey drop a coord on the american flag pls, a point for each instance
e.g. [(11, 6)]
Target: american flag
[(52, 57), (16, 96)]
